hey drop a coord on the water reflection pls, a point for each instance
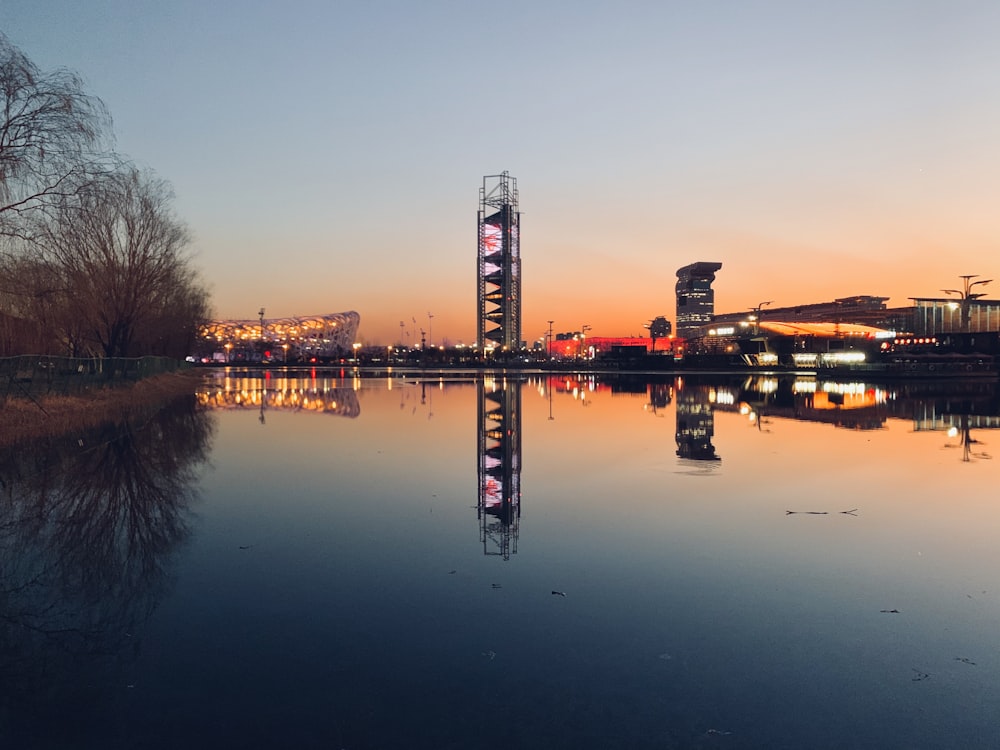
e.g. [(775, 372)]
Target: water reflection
[(965, 439), (88, 527), (853, 405), (335, 559), (660, 396), (955, 408), (499, 468), (696, 422), (325, 392)]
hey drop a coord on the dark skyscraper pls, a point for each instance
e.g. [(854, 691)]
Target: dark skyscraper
[(499, 264), (695, 297)]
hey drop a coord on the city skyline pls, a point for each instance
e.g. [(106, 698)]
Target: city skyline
[(329, 158)]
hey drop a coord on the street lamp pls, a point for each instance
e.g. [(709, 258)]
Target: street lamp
[(285, 347), (356, 346), (756, 317), (583, 338), (966, 296)]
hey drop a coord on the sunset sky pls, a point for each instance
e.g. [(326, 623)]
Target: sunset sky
[(327, 156)]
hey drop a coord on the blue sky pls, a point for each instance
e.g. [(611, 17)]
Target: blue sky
[(328, 156)]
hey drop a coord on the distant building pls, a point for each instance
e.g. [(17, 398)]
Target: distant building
[(321, 336), (573, 345), (695, 297), (934, 316), (927, 316), (862, 309)]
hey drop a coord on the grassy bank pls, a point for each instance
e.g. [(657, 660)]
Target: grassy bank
[(23, 420)]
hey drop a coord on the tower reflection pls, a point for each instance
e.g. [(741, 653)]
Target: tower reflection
[(695, 423), (499, 474)]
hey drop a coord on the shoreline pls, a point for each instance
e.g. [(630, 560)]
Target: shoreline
[(24, 421)]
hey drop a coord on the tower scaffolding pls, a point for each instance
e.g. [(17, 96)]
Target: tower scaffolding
[(498, 268)]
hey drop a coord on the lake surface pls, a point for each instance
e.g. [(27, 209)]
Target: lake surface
[(309, 559)]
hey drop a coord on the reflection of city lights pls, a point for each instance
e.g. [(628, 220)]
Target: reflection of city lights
[(804, 386), (722, 397), (845, 388), (952, 431)]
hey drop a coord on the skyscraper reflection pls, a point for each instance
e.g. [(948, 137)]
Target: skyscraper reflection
[(695, 424), (499, 474)]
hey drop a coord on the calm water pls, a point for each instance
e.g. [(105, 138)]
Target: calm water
[(316, 561)]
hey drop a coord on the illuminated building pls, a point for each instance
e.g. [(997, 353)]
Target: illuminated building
[(499, 265), (499, 451), (572, 345), (935, 316), (695, 297), (320, 336), (863, 309), (810, 345)]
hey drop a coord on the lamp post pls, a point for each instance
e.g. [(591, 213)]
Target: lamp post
[(356, 346), (550, 338), (756, 317), (966, 296), (583, 338)]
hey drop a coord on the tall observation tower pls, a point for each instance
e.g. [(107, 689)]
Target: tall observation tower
[(498, 267)]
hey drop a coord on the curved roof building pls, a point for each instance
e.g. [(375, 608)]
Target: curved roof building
[(327, 335)]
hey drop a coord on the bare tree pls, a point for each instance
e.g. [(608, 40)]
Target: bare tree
[(50, 136), (119, 253), (31, 308)]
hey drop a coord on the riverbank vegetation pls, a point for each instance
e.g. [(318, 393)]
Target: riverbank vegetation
[(93, 259), (23, 420)]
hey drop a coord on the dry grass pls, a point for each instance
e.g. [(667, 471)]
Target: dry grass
[(22, 420)]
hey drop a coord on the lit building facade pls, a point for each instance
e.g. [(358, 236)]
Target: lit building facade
[(695, 297), (863, 309), (320, 336), (498, 296), (935, 316), (575, 346)]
